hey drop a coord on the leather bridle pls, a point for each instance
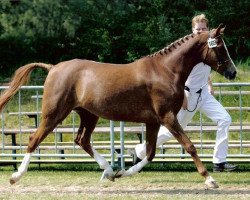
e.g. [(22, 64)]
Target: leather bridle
[(220, 62)]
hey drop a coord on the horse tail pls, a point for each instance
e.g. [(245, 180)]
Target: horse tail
[(20, 78)]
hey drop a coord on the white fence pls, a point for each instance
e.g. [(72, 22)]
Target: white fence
[(116, 140)]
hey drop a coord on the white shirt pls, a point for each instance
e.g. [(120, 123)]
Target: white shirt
[(198, 77)]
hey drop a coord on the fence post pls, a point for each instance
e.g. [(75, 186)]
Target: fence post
[(112, 145), (122, 163)]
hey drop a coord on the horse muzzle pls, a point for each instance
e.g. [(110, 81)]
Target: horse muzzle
[(230, 75)]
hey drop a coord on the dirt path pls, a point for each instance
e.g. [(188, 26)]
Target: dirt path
[(113, 190)]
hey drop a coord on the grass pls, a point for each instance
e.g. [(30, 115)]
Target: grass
[(76, 182)]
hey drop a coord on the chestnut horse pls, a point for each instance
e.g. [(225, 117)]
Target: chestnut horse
[(149, 90)]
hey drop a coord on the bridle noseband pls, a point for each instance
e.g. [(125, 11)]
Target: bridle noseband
[(212, 44)]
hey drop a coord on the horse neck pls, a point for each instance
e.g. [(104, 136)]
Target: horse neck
[(182, 58)]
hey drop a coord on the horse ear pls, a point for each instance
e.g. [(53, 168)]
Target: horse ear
[(220, 29)]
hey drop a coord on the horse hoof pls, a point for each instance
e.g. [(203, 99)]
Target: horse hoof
[(15, 177), (107, 175), (119, 173), (12, 181), (211, 183)]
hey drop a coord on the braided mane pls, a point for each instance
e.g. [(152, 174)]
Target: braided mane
[(173, 45)]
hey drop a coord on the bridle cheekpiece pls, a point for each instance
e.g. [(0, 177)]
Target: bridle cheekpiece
[(212, 44)]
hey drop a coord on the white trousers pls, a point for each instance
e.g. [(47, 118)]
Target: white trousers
[(209, 106)]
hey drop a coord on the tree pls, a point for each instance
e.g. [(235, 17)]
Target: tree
[(117, 31)]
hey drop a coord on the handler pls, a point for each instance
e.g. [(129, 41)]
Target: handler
[(199, 97)]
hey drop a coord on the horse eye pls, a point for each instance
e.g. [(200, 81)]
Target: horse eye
[(219, 42)]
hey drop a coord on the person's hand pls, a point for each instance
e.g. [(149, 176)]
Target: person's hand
[(185, 103), (211, 90), (210, 86)]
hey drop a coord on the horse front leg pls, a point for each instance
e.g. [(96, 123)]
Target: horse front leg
[(85, 144), (182, 138), (151, 137)]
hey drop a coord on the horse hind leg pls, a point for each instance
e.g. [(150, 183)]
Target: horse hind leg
[(87, 125), (151, 138), (34, 141), (47, 125)]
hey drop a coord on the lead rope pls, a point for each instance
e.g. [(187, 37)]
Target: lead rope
[(198, 92), (196, 101)]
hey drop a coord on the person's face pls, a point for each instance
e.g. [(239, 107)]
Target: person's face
[(199, 27)]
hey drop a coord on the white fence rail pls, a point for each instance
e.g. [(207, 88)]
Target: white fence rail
[(115, 140)]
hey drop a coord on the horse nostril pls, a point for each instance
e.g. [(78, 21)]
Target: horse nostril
[(233, 75), (230, 75)]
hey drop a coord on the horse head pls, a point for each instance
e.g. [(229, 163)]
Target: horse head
[(216, 54)]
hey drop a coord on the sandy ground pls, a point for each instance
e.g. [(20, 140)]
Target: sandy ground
[(113, 190)]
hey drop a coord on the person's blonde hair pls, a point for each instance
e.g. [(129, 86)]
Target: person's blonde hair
[(200, 18)]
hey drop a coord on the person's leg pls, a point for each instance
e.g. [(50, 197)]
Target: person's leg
[(217, 113), (164, 135)]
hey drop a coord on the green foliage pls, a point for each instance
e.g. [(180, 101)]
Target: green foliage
[(109, 31)]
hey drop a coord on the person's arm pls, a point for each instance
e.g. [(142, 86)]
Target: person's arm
[(210, 86)]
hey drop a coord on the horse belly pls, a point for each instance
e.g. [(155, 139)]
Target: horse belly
[(117, 114), (123, 108), (117, 95)]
